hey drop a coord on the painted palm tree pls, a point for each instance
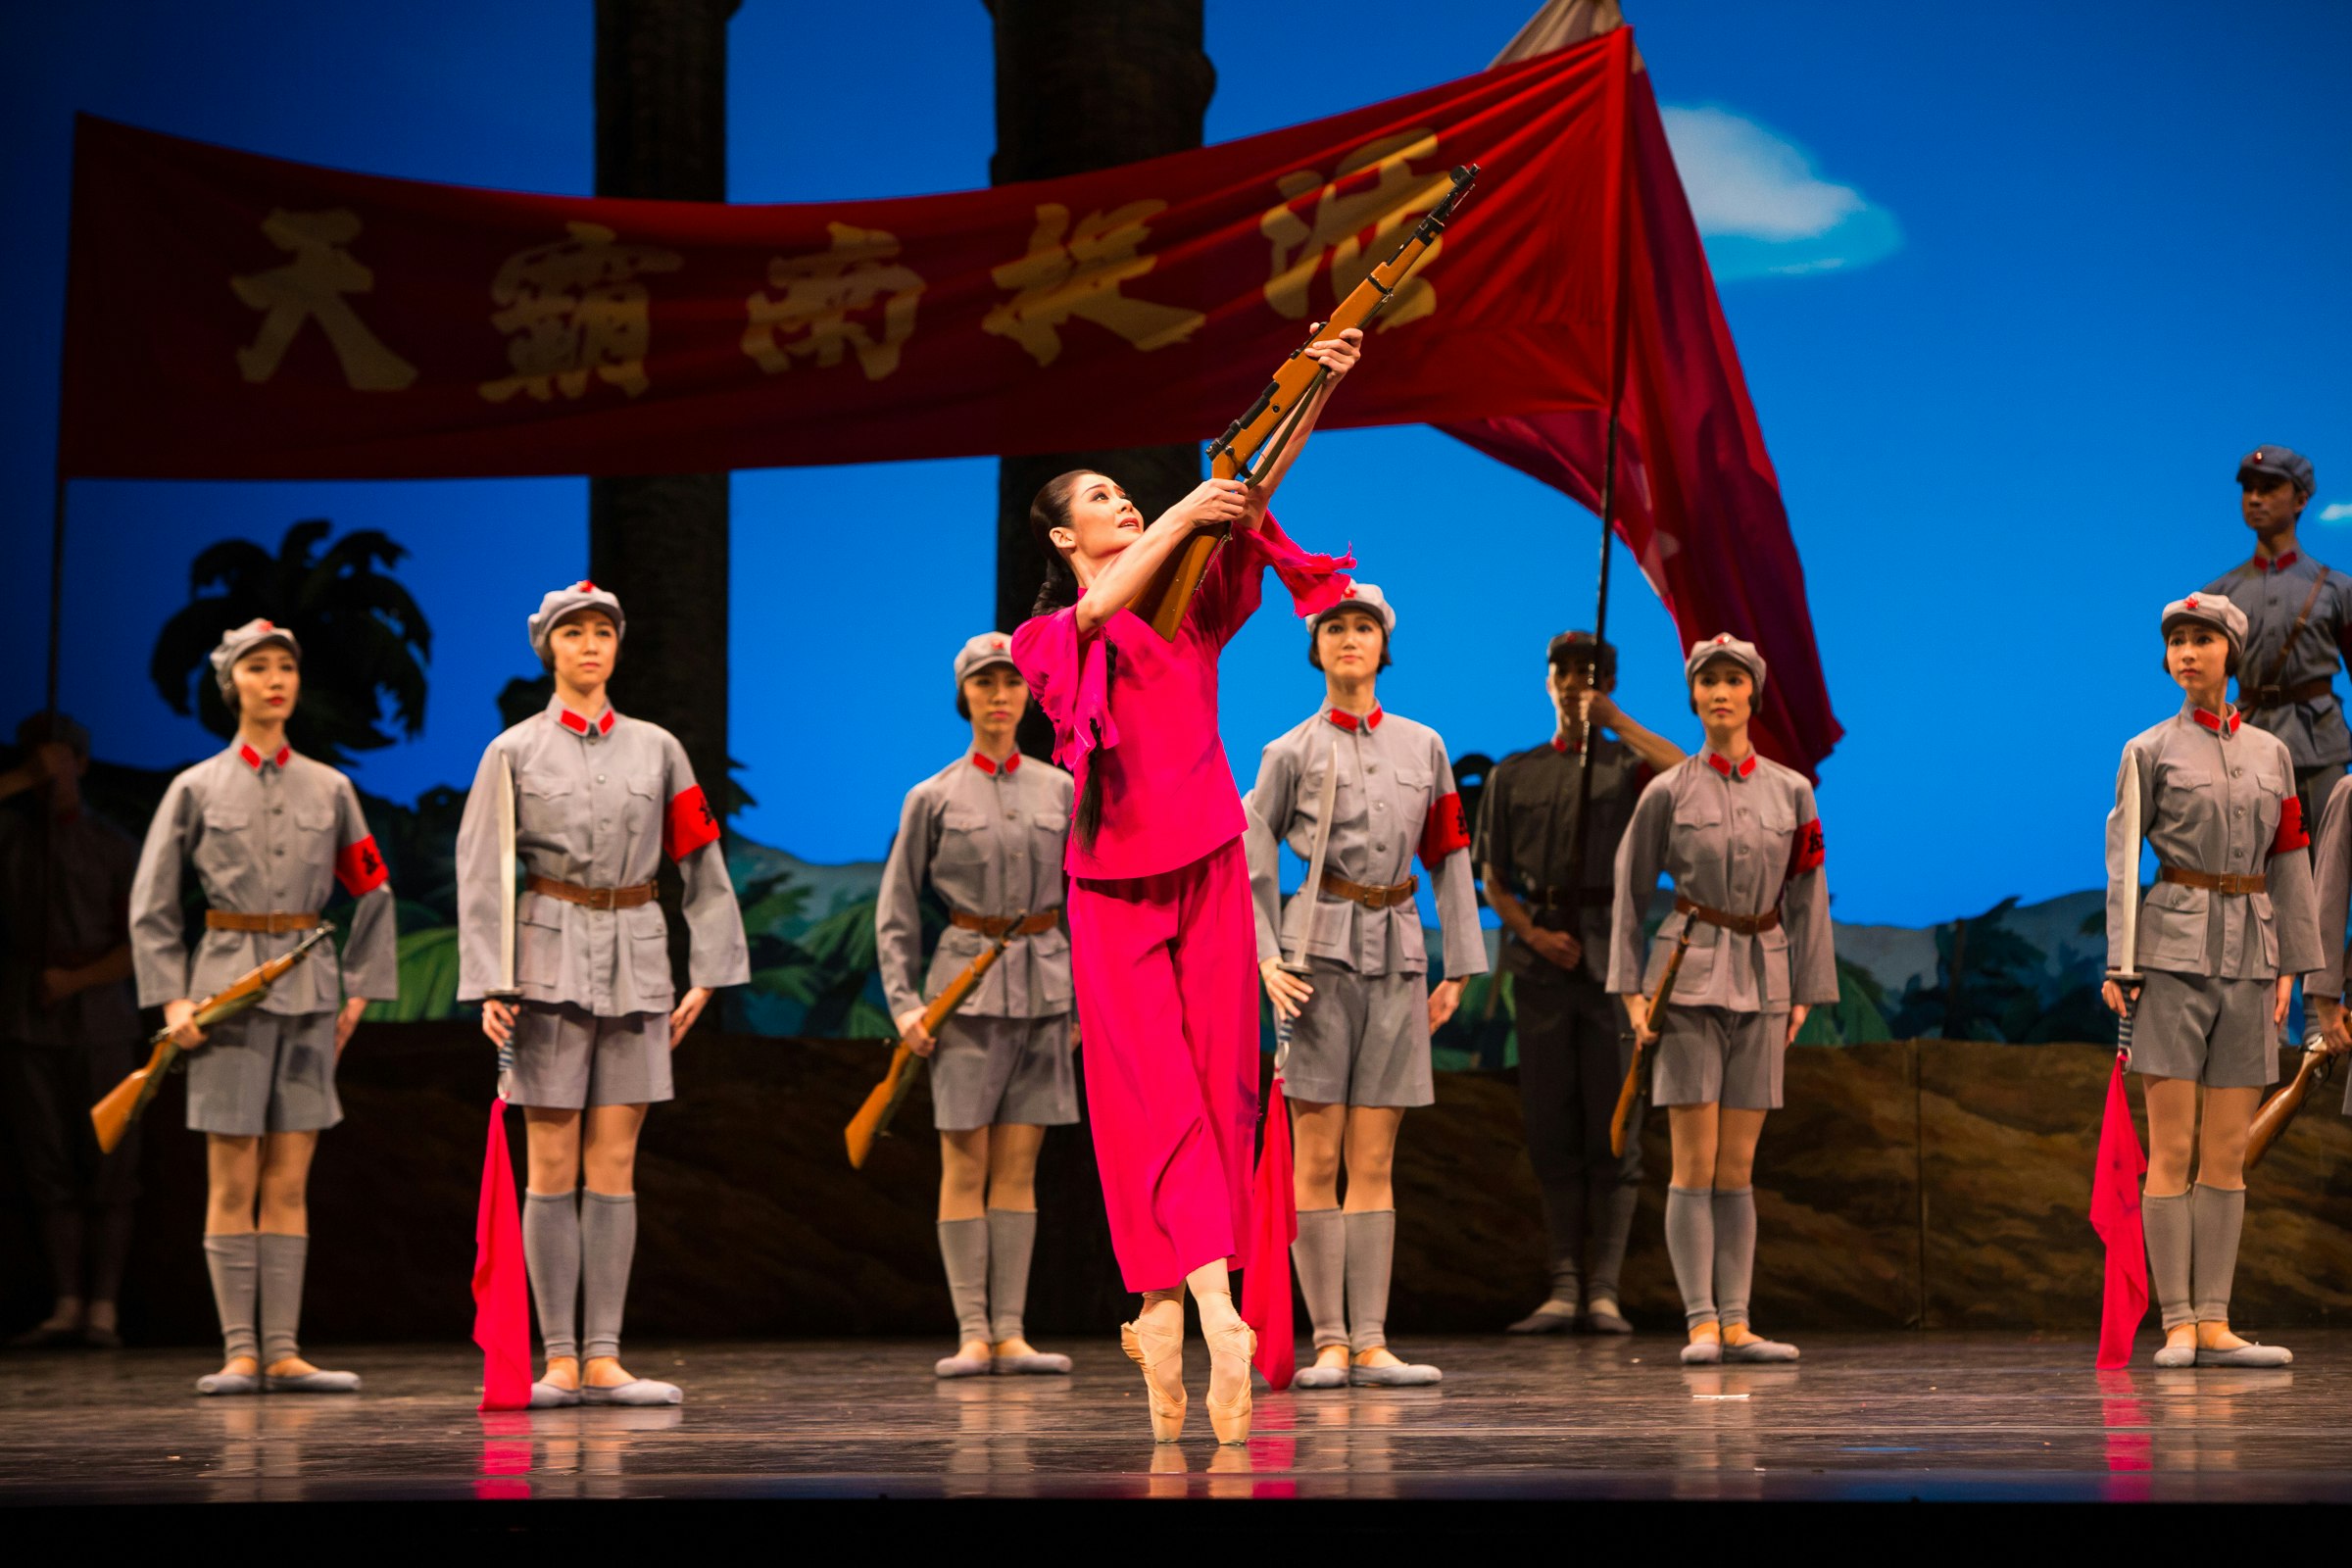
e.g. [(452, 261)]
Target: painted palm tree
[(364, 642)]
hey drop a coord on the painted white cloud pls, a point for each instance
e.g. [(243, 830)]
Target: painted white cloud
[(2336, 512), (1762, 207)]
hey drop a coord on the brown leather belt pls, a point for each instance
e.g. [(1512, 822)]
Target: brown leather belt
[(1568, 898), (2213, 881), (229, 920), (1747, 925), (2256, 699), (591, 898), (993, 926), (1371, 898)]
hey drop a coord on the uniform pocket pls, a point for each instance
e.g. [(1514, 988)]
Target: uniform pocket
[(542, 806)]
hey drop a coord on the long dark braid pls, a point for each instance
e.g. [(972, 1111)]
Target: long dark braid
[(1060, 590)]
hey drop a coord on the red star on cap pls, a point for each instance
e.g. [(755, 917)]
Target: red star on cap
[(268, 625), (2189, 602), (583, 586)]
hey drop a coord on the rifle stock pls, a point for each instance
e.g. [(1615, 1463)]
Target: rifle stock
[(1630, 1096), (1253, 442), (882, 1103), (2281, 1107)]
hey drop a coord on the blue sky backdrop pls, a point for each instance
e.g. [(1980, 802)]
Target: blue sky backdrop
[(2011, 301)]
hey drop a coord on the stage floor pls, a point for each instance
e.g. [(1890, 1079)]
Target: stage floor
[(1863, 1417)]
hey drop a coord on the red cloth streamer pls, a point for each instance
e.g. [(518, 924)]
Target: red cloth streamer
[(2115, 1215), (502, 1315), (1266, 1270)]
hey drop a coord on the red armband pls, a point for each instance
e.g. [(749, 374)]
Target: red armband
[(690, 824), (1805, 851), (2292, 835), (1445, 831), (361, 867)]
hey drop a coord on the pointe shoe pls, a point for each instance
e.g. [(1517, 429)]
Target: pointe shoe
[(2177, 1355), (637, 1390), (1755, 1347), (1160, 1354), (2248, 1354), (1231, 1421)]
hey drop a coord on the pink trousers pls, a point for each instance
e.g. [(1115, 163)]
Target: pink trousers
[(1166, 972)]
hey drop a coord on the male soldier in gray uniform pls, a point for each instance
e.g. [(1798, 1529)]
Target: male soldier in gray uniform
[(269, 833), (1573, 1052), (68, 1025), (2298, 625), (985, 832)]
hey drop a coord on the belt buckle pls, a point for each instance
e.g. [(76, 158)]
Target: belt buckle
[(606, 900)]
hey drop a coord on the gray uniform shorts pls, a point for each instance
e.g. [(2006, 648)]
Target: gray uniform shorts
[(1361, 1040), (265, 1072), (2207, 1030), (1715, 1057), (567, 1059), (990, 1070)]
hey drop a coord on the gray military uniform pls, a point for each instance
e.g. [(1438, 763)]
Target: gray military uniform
[(596, 805), (1363, 1039), (1743, 839), (988, 841), (2213, 795), (2332, 875), (2271, 597), (267, 835)]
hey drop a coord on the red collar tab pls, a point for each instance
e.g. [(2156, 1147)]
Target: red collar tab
[(1011, 764), (581, 727), (2278, 563), (254, 760), (2219, 726), (1350, 721), (1728, 768)]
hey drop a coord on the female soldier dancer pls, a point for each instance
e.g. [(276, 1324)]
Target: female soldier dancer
[(267, 831), (987, 832), (1359, 1053), (1742, 841), (1161, 921), (599, 798), (2230, 922)]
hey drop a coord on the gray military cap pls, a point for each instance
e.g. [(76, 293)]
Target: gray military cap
[(2278, 463), (1724, 646), (1573, 650), (243, 640), (988, 648), (2210, 610), (560, 603), (1360, 596)]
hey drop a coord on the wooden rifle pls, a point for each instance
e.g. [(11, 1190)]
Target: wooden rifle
[(2281, 1108), (1252, 443), (1637, 1076), (112, 1116), (873, 1117)]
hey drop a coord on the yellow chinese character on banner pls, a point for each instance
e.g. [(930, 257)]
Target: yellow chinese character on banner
[(574, 310), (810, 319), (1350, 230), (1077, 270), (311, 287)]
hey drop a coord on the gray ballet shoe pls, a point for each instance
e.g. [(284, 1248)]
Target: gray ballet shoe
[(1407, 1376), (1702, 1352), (637, 1390), (1759, 1350), (1041, 1363), (2248, 1355), (1554, 1316), (553, 1397), (227, 1382), (1605, 1320), (313, 1383), (1320, 1377), (2177, 1355), (962, 1366)]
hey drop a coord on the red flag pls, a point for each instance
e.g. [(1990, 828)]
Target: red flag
[(2115, 1215), (502, 1317), (1266, 1270)]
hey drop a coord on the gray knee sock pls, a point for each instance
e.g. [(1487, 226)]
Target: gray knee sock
[(608, 1247), (551, 1251), (963, 1247), (1564, 1226), (1371, 1255), (282, 1258), (2165, 1223), (235, 1266), (1691, 1243), (2217, 1218), (1613, 1203), (1735, 1250), (1320, 1256), (1012, 1238)]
